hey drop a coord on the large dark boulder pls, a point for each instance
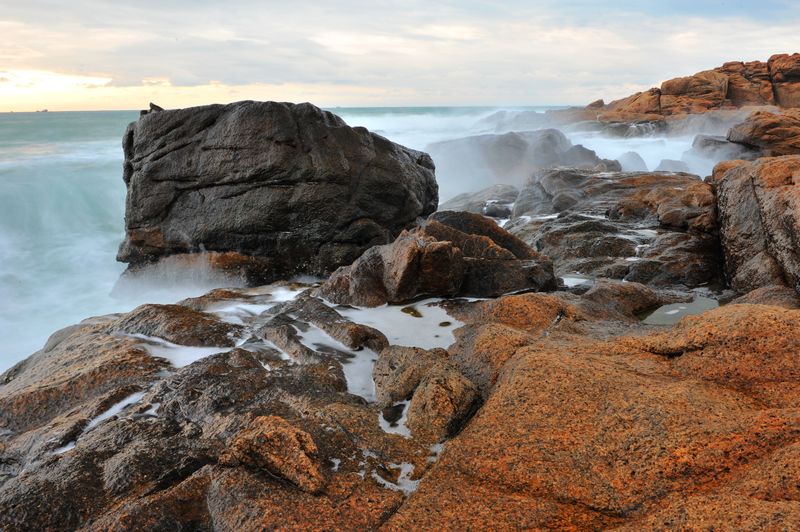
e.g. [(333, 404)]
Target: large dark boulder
[(286, 188)]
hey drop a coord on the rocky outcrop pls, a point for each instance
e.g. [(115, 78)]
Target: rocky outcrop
[(277, 188), (453, 253), (772, 134), (731, 86), (669, 429), (758, 206), (653, 228)]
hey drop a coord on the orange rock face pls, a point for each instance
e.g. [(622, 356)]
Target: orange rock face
[(774, 133), (638, 432)]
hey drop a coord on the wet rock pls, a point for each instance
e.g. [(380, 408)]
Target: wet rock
[(628, 298), (273, 443), (773, 295), (652, 228), (773, 134), (759, 226), (455, 253), (177, 324), (284, 188)]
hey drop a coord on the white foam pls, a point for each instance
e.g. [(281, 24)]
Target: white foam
[(404, 329), (177, 355), (404, 482), (571, 281), (114, 409), (110, 412), (357, 368)]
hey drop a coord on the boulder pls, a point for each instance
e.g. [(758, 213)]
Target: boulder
[(632, 162), (454, 253), (773, 134), (748, 83), (286, 188), (758, 205)]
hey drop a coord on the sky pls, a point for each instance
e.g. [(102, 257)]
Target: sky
[(99, 54)]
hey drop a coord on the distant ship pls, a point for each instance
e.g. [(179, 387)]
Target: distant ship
[(42, 111)]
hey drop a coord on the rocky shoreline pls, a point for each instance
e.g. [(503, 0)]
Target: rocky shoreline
[(588, 348)]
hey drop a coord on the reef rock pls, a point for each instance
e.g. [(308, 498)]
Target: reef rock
[(286, 188)]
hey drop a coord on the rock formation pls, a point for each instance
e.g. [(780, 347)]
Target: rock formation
[(276, 188), (453, 253), (759, 213)]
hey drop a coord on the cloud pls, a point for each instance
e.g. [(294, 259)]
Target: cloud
[(414, 52)]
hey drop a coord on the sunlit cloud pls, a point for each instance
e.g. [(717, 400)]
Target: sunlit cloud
[(356, 52)]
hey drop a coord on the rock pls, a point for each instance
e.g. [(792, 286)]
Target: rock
[(711, 93), (272, 443), (785, 72), (630, 432), (632, 162), (698, 93), (95, 434), (759, 225), (656, 228), (773, 295), (774, 134), (286, 188), (719, 148), (455, 253), (671, 165), (177, 324), (748, 83), (442, 402), (399, 370), (495, 201)]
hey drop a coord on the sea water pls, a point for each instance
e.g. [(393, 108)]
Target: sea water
[(62, 202)]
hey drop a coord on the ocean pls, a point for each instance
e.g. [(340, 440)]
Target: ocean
[(62, 203)]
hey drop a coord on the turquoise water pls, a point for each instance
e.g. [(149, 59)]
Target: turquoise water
[(62, 204)]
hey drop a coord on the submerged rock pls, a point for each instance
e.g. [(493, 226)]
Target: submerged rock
[(279, 188), (454, 253)]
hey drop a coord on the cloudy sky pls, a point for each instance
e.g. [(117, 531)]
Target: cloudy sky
[(99, 54)]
